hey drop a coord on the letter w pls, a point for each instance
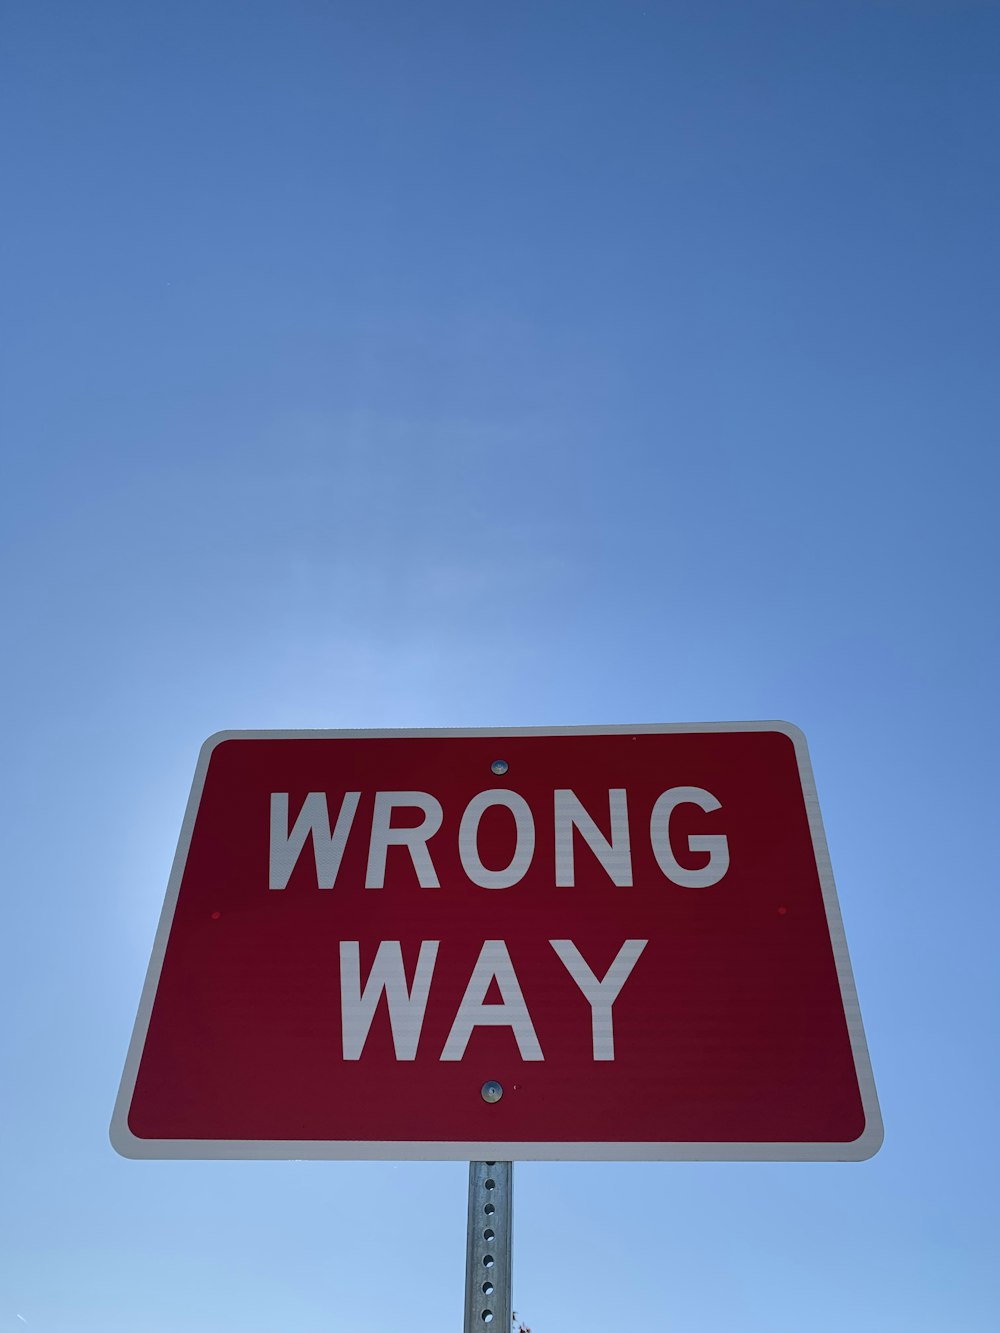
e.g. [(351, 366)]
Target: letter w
[(406, 1007), (314, 818)]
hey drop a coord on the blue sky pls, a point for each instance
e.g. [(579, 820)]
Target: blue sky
[(437, 364)]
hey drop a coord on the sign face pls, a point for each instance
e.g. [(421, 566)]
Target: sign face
[(603, 943)]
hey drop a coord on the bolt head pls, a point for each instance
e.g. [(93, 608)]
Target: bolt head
[(499, 766), (492, 1091)]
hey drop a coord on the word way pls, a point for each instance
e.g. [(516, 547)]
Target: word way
[(407, 1005)]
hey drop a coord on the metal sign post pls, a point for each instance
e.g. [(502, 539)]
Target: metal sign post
[(487, 1255)]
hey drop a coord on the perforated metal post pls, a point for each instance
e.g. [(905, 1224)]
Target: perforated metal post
[(487, 1255)]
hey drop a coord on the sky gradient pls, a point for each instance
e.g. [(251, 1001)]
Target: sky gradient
[(383, 365)]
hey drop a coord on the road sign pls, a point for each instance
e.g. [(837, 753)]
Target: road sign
[(580, 943)]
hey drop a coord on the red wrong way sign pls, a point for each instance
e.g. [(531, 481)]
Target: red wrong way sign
[(606, 942)]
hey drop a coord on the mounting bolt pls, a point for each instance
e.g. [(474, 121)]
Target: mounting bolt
[(492, 1091), (499, 766)]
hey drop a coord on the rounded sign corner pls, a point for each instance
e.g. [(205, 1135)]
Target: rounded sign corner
[(785, 728), (124, 1142), (870, 1140), (216, 739)]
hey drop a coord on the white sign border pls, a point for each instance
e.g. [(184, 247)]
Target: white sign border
[(865, 1146)]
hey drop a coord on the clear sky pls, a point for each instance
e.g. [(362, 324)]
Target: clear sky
[(429, 364)]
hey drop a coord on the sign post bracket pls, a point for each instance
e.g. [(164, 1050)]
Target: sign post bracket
[(488, 1248)]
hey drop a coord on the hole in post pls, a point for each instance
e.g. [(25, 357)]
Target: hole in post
[(487, 1316), (489, 1210), (487, 1288), (490, 1184), (488, 1261), (489, 1234), (491, 1163)]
